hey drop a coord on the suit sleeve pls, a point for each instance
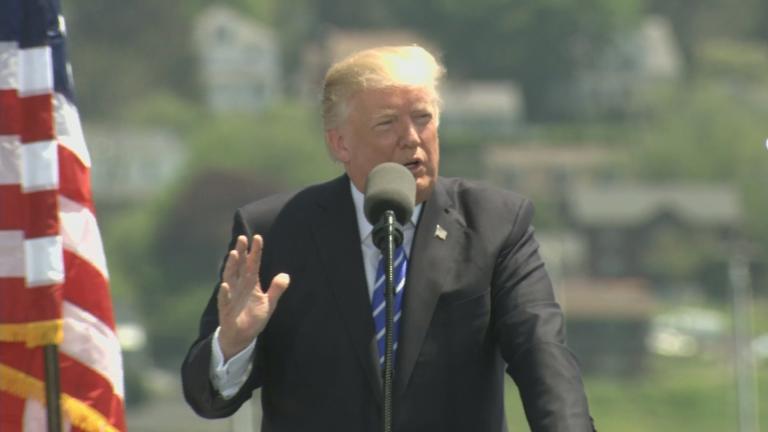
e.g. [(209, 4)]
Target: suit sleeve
[(530, 330), (198, 389)]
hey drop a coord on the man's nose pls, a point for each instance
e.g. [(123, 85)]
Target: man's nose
[(410, 134)]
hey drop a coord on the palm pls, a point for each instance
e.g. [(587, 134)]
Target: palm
[(244, 308)]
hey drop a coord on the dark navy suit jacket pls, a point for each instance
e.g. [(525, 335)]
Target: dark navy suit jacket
[(477, 303)]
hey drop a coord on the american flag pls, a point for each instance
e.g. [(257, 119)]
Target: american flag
[(54, 285)]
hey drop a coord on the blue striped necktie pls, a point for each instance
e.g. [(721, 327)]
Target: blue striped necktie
[(379, 305)]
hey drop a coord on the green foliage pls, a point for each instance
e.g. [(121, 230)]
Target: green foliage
[(706, 131), (677, 395), (731, 59), (264, 11), (285, 144), (124, 51), (541, 44)]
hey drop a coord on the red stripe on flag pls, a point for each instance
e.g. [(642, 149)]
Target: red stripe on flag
[(87, 288), (91, 388), (12, 414), (77, 380), (23, 305), (37, 213), (12, 209), (10, 120), (29, 361), (43, 211), (36, 118), (74, 179)]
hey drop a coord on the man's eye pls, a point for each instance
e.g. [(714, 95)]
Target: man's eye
[(383, 123), (424, 117)]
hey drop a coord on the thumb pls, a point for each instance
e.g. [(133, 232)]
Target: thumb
[(277, 287)]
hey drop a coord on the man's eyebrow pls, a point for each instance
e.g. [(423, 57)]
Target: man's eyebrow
[(423, 107), (384, 112)]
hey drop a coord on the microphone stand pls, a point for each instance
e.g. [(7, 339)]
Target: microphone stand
[(387, 236)]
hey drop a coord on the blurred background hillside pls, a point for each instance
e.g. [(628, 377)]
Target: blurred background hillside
[(638, 127)]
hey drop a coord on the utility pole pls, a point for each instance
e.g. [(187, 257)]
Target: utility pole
[(744, 359)]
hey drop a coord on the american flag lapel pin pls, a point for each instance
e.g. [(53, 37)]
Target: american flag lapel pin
[(441, 233)]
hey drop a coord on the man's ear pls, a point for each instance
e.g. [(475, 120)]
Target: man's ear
[(336, 144)]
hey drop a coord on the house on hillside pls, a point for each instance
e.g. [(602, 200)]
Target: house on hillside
[(665, 232), (535, 168), (132, 164), (618, 80), (486, 109), (624, 246), (239, 61)]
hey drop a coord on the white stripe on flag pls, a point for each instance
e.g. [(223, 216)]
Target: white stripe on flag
[(11, 254), (9, 65), (81, 233), (39, 166), (36, 420), (44, 261), (93, 344), (68, 128), (10, 159), (34, 416), (35, 71)]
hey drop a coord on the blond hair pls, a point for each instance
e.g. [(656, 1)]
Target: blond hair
[(388, 66)]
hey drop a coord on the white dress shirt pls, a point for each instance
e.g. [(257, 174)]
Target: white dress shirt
[(228, 377)]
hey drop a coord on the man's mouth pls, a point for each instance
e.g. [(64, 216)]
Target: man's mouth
[(412, 165)]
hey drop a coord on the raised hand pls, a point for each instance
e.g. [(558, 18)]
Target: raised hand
[(244, 308)]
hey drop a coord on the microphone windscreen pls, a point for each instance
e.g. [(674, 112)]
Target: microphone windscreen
[(390, 186)]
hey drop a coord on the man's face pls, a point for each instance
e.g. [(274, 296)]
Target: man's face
[(392, 124)]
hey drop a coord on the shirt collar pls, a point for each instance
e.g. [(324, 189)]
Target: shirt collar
[(362, 222)]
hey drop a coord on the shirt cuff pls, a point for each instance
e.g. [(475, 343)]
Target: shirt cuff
[(227, 378)]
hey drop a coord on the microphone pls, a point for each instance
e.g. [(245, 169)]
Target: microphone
[(390, 187), (390, 192)]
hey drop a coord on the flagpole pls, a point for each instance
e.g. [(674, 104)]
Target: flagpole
[(52, 387)]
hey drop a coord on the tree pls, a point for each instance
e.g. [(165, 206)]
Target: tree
[(124, 51), (541, 44)]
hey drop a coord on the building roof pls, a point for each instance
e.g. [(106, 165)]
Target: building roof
[(625, 204), (620, 298), (541, 155)]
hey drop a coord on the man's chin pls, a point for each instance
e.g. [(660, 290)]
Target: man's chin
[(424, 187)]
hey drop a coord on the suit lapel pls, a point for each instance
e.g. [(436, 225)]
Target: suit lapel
[(337, 235), (432, 255)]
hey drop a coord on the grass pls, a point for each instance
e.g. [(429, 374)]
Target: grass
[(674, 395)]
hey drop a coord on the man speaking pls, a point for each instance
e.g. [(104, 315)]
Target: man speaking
[(297, 308)]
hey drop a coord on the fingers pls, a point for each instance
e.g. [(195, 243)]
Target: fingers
[(277, 287), (253, 262), (241, 245), (225, 294), (237, 260), (231, 267)]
